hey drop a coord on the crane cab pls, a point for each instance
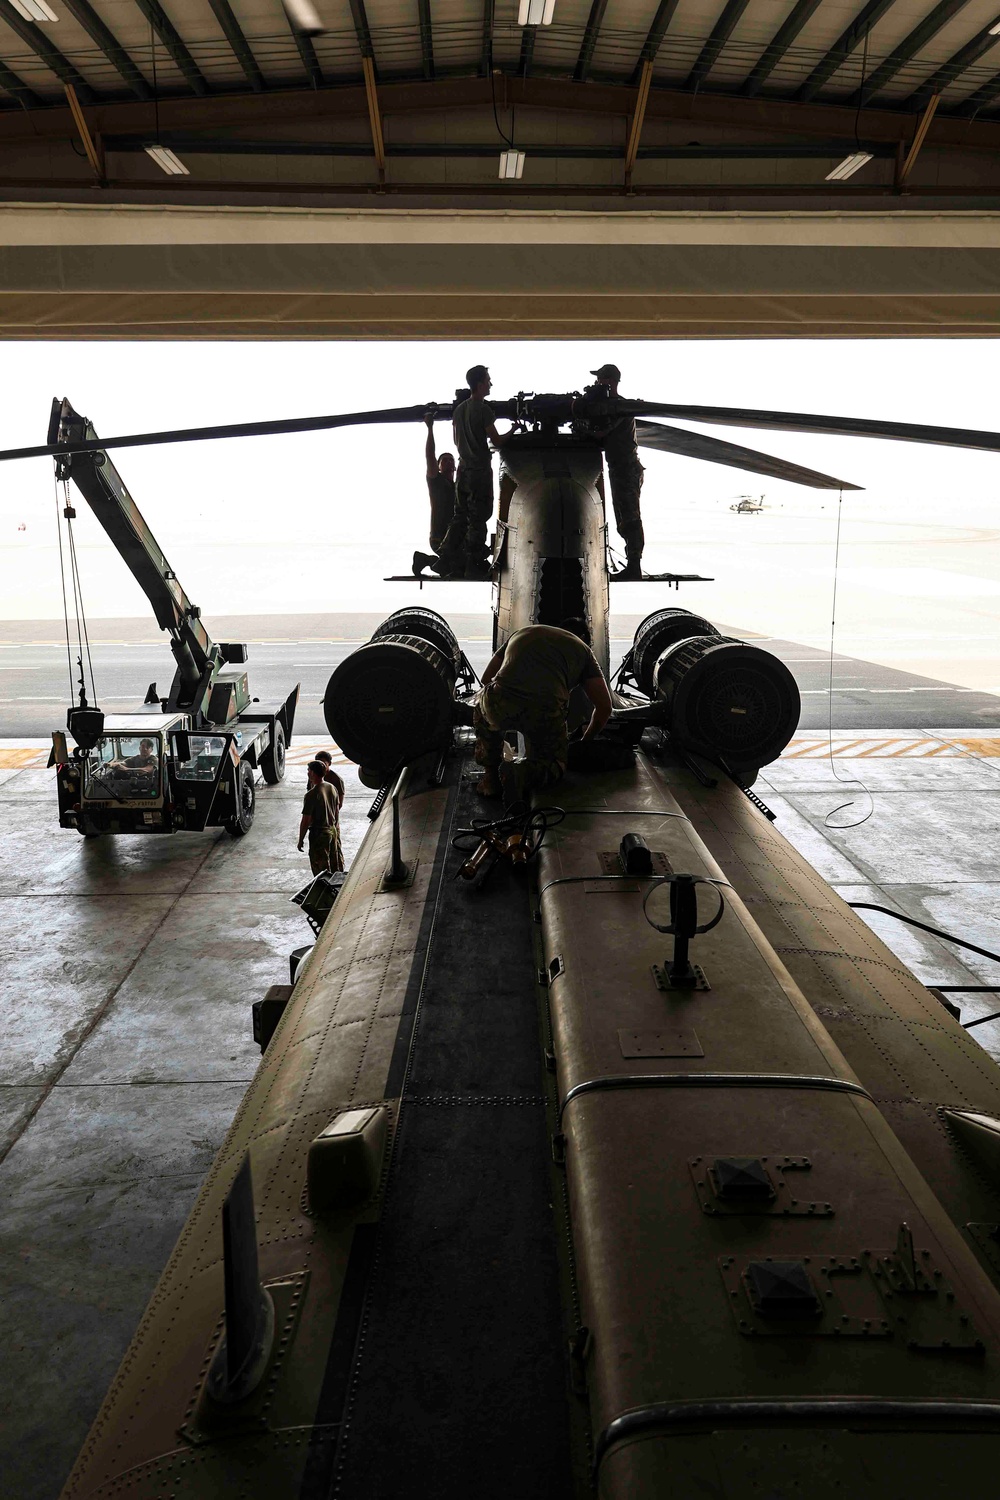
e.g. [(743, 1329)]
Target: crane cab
[(157, 773)]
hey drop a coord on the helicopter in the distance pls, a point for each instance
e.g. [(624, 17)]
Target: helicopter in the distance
[(749, 505), (638, 1166)]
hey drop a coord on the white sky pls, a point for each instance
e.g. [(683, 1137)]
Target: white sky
[(312, 523)]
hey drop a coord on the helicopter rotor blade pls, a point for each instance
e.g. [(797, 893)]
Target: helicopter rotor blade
[(791, 421), (715, 451), (235, 430)]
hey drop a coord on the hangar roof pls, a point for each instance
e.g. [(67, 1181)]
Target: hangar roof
[(682, 97), (811, 49)]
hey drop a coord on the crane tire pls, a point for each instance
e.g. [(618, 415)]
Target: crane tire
[(272, 762), (246, 798)]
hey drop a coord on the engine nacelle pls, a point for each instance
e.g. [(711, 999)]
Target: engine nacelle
[(393, 699), (658, 631), (728, 701)]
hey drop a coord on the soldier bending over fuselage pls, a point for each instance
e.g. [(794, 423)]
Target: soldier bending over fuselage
[(527, 688)]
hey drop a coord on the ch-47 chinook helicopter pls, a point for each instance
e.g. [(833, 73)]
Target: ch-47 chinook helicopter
[(642, 1170)]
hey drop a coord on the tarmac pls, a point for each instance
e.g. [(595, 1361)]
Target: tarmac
[(132, 963)]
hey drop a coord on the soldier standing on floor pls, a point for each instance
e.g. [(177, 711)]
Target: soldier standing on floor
[(319, 818), (441, 490), (463, 552), (625, 473), (336, 781)]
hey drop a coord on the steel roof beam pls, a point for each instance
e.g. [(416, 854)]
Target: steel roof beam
[(363, 31), (306, 51), (654, 36), (426, 37), (486, 55), (527, 51), (213, 145), (721, 32), (775, 50), (956, 65), (233, 33), (40, 45), (374, 116), (594, 22), (10, 81), (942, 13), (92, 148), (632, 150), (918, 140), (291, 106), (848, 41), (984, 96), (85, 15), (171, 39)]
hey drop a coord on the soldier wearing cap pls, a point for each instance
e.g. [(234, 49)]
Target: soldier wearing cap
[(625, 473), (463, 552)]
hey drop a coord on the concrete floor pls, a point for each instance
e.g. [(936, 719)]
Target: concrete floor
[(920, 834), (131, 965)]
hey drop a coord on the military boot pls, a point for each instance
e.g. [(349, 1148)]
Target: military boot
[(634, 543)]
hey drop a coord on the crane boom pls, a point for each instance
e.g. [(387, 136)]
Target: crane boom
[(196, 655)]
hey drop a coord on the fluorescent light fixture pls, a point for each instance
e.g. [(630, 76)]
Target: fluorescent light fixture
[(511, 164), (535, 12), (167, 161), (995, 30), (849, 166), (304, 17), (34, 10)]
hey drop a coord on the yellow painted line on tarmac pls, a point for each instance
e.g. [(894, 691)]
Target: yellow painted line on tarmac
[(987, 748), (19, 760), (896, 748), (301, 754)]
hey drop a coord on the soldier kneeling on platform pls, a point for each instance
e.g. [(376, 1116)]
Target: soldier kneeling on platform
[(527, 688)]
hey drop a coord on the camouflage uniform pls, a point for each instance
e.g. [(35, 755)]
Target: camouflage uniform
[(545, 740), (464, 547), (322, 806), (626, 474), (321, 851), (541, 667)]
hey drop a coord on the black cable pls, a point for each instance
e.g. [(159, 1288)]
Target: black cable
[(493, 88), (935, 931), (968, 1025), (83, 635), (62, 579), (156, 94), (861, 90), (531, 824), (833, 631), (540, 820)]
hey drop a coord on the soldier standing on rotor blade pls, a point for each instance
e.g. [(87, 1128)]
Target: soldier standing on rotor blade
[(463, 551), (527, 687), (625, 473), (441, 490)]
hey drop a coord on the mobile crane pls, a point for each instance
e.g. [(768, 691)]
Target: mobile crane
[(183, 762)]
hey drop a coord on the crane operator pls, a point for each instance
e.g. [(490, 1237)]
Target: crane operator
[(625, 473), (527, 687), (463, 551)]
